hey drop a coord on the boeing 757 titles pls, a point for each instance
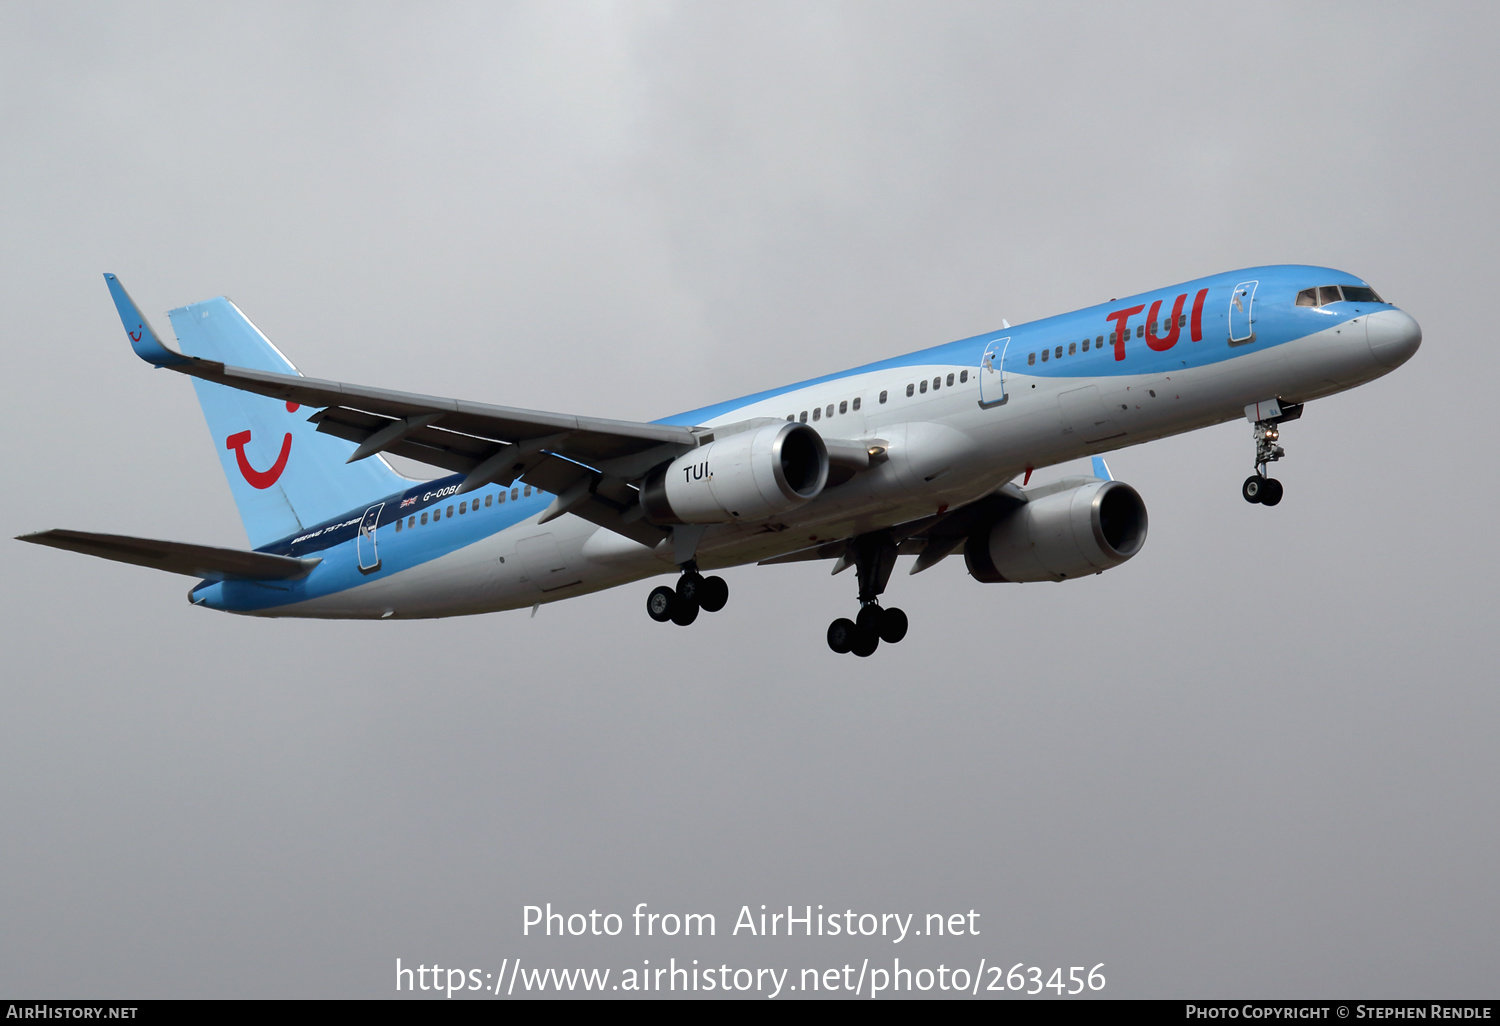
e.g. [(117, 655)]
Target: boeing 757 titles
[(913, 455)]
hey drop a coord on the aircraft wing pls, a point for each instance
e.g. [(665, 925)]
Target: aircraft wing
[(586, 462), (203, 561)]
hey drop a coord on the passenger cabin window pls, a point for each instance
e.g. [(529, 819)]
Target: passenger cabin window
[(461, 506), (963, 376), (411, 522), (818, 413), (515, 493), (950, 380), (843, 407), (856, 400), (450, 511), (1057, 355), (398, 525), (924, 385), (1030, 359), (424, 518), (1046, 354), (802, 418), (882, 396), (911, 389), (937, 383), (1098, 342), (1072, 348), (1085, 345), (489, 500), (1140, 330), (830, 410)]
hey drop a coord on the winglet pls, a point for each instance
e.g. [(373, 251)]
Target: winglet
[(143, 337), (1101, 469)]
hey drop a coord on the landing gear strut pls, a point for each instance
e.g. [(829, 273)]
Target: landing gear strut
[(1258, 487), (693, 592), (874, 557)]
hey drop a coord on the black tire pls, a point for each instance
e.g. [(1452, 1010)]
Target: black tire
[(869, 618), (688, 588), (841, 634), (892, 626), (1270, 492), (713, 593), (865, 641), (683, 613), (1254, 488), (660, 602)]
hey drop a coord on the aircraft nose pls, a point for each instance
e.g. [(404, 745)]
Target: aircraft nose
[(1394, 335)]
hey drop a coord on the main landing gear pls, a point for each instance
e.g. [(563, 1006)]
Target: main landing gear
[(693, 592), (874, 556)]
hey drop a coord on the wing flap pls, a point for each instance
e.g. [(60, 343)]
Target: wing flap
[(204, 561)]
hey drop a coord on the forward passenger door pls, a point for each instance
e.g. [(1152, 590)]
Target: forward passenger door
[(1241, 313)]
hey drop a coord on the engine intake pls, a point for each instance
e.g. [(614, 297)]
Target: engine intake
[(1071, 532), (750, 475)]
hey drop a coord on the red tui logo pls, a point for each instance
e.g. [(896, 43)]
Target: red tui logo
[(260, 478)]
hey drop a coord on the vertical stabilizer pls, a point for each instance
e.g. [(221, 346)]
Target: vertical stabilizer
[(285, 476)]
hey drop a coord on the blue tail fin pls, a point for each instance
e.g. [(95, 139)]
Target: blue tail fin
[(284, 474)]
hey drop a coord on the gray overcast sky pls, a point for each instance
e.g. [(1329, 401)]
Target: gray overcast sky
[(1258, 760)]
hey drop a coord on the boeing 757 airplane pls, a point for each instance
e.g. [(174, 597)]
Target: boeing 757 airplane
[(914, 455)]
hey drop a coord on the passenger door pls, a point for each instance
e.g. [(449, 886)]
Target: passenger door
[(369, 557), (1241, 314), (992, 374)]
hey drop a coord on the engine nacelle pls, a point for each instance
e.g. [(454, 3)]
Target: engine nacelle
[(750, 475), (1071, 532)]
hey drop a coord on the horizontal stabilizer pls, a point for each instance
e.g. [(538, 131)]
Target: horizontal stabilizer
[(203, 561)]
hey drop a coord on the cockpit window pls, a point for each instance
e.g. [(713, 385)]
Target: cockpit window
[(1326, 294)]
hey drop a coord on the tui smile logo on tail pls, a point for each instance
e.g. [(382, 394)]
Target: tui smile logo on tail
[(260, 478)]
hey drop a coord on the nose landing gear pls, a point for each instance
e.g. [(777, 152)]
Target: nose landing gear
[(693, 592), (874, 557), (1266, 417)]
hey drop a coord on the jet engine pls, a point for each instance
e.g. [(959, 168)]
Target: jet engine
[(1073, 531), (750, 475)]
